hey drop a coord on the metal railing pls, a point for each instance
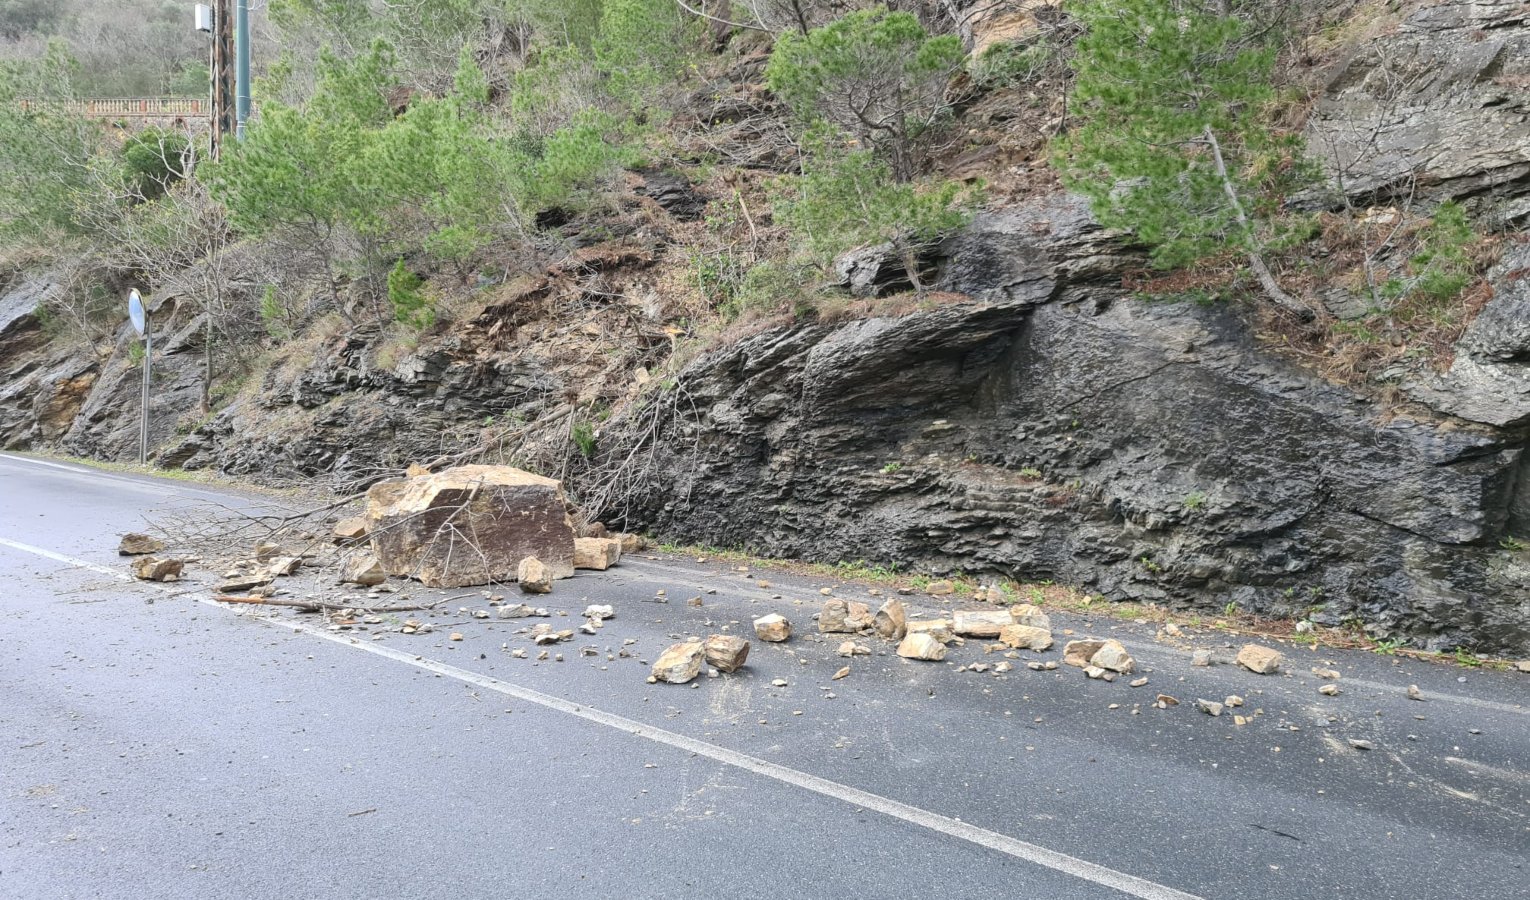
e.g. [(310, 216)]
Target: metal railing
[(124, 107)]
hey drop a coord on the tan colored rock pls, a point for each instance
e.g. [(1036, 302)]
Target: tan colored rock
[(596, 553), (940, 589), (1114, 657), (594, 530), (282, 565), (152, 568), (534, 576), (773, 628), (939, 629), (842, 616), (725, 652), (265, 551), (1259, 660), (1025, 637), (134, 544), (851, 648), (352, 529), (470, 525), (980, 622), (1523, 666), (364, 570), (1079, 653), (631, 543), (921, 645), (891, 621), (680, 663), (1026, 614)]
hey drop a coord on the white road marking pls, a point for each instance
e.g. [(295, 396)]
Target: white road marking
[(923, 818), (123, 480)]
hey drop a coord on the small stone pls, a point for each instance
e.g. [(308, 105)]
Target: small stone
[(1003, 667), (1326, 674), (134, 544), (1329, 690), (1140, 682), (601, 611), (1095, 672), (1164, 701), (891, 620), (922, 645), (694, 601), (939, 629), (762, 584), (1359, 744), (456, 636), (349, 530), (542, 657), (1200, 658), (518, 653), (1414, 693), (1025, 637), (1304, 627), (1259, 660), (364, 570), (1171, 629), (940, 589), (826, 591), (1523, 666), (1079, 653), (1209, 707), (152, 568), (726, 652), (518, 611), (851, 648), (480, 614), (773, 628), (778, 682), (1114, 657), (845, 670), (1233, 700), (680, 663), (534, 576)]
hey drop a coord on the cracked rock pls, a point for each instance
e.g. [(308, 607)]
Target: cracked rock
[(891, 621), (773, 628), (1259, 660), (679, 663), (726, 652), (922, 645)]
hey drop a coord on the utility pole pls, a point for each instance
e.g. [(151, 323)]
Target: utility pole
[(223, 103), (242, 66)]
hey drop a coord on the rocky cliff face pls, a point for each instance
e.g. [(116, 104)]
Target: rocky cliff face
[(1052, 428)]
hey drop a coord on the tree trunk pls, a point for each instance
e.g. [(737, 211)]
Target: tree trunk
[(1267, 280)]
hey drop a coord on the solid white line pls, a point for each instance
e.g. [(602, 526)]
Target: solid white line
[(147, 487), (992, 840)]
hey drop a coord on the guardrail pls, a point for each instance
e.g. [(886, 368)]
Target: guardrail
[(125, 107)]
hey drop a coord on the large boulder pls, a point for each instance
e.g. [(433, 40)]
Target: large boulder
[(470, 525)]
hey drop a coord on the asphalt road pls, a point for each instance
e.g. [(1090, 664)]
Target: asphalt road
[(156, 744)]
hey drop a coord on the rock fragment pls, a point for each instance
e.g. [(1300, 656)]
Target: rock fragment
[(364, 570), (1209, 707), (1414, 693), (725, 652), (891, 621), (599, 611), (1200, 658), (844, 671), (135, 544), (1114, 657), (1326, 674), (1259, 660), (153, 568), (773, 628), (939, 629), (1359, 744), (679, 663), (1079, 653), (842, 616), (598, 553), (348, 530), (1025, 637), (534, 576), (851, 648), (980, 623), (921, 645), (1329, 690), (631, 543), (1027, 614)]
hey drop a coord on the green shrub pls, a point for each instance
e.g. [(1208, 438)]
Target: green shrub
[(411, 306)]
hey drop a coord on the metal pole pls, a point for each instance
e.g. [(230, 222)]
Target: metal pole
[(242, 65), (148, 363)]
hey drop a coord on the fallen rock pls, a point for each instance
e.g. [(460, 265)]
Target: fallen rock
[(773, 628), (1414, 693), (842, 616), (1327, 674), (1329, 690), (922, 645), (1200, 658), (851, 648), (599, 611), (1359, 744), (152, 568), (1209, 707), (135, 544), (680, 663), (939, 629), (282, 565), (1026, 614), (1523, 666), (266, 551), (1259, 660), (1114, 657), (980, 623), (891, 621), (1140, 682), (1078, 653), (1025, 637), (725, 652), (470, 525), (352, 529), (1164, 701), (940, 589), (844, 671), (239, 583), (598, 553), (631, 543), (519, 611), (364, 570), (534, 576), (1097, 672), (594, 530)]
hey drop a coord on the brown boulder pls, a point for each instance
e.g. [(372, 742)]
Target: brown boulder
[(1078, 653), (940, 629), (725, 652), (364, 570), (134, 544), (352, 529), (680, 663), (1259, 660), (891, 621), (844, 616), (980, 623), (599, 553), (470, 525), (534, 576), (921, 645), (152, 568), (773, 628), (1114, 657), (1025, 637)]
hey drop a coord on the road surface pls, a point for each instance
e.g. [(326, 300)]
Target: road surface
[(154, 743)]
